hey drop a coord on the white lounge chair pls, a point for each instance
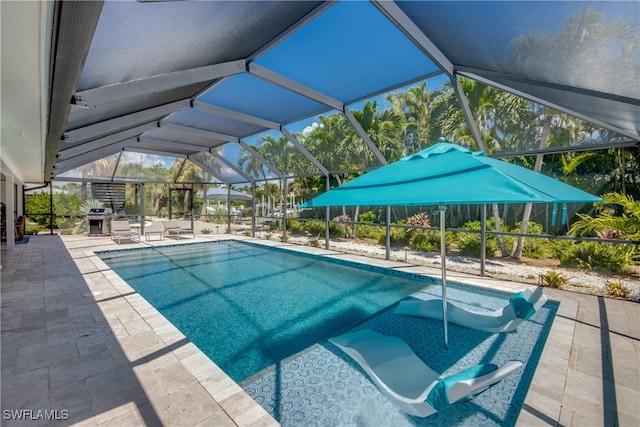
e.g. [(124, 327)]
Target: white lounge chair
[(121, 230), (416, 388), (521, 307), (172, 228)]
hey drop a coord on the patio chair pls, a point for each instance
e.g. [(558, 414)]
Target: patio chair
[(121, 230), (521, 307), (173, 229), (408, 381)]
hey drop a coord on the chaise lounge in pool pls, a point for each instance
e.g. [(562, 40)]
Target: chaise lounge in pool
[(414, 386), (521, 306)]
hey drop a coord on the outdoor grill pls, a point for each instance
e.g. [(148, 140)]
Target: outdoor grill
[(98, 220)]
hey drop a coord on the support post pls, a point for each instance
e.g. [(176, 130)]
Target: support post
[(142, 209), (51, 207), (284, 209), (327, 211), (483, 240), (388, 237), (253, 210), (443, 260)]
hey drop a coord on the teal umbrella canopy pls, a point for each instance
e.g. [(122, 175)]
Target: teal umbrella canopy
[(447, 174), (451, 175)]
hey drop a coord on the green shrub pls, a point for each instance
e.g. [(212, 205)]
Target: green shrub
[(469, 244), (273, 225), (375, 232), (206, 231), (368, 217), (561, 250), (314, 228), (593, 255), (616, 289), (315, 242), (295, 227), (336, 230), (533, 247), (426, 240), (398, 236), (553, 279), (606, 256)]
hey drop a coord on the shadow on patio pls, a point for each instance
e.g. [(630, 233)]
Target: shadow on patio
[(75, 349)]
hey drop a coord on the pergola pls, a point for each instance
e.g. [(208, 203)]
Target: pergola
[(124, 81)]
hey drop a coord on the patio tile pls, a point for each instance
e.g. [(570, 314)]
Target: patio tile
[(113, 360), (117, 388), (75, 398), (72, 370), (188, 406)]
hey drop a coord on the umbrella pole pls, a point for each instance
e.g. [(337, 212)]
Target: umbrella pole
[(483, 240), (443, 261), (388, 236)]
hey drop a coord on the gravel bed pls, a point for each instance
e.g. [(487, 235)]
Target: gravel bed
[(579, 281)]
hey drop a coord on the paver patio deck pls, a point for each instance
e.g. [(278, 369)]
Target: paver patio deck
[(77, 342)]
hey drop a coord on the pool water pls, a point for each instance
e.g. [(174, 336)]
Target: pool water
[(322, 386), (249, 307)]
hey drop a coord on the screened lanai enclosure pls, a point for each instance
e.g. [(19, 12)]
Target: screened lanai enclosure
[(284, 100)]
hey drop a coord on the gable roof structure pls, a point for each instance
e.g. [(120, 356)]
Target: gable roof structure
[(199, 79)]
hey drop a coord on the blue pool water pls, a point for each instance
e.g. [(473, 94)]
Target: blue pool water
[(249, 307), (324, 387)]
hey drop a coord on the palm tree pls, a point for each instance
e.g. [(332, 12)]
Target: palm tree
[(253, 167), (385, 129)]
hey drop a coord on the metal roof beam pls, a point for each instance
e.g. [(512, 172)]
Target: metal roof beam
[(107, 140), (264, 161), (116, 92), (555, 106), (294, 86), (199, 132), (304, 151), (172, 144), (66, 165), (319, 10), (354, 122), (108, 126), (232, 166), (490, 75), (135, 149), (207, 169), (411, 30), (466, 112), (214, 109), (569, 149)]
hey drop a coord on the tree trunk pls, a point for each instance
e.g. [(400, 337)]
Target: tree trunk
[(356, 214), (496, 219), (524, 225), (185, 203), (205, 199), (156, 205), (83, 192)]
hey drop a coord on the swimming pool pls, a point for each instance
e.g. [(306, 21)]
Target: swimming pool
[(248, 307), (322, 386)]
